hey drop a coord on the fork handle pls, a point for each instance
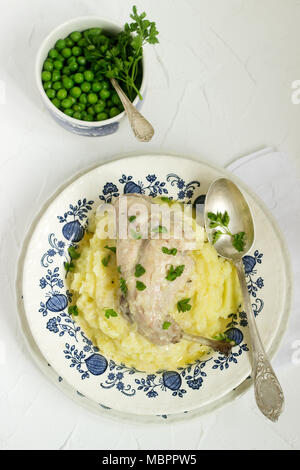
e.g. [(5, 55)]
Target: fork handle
[(268, 392)]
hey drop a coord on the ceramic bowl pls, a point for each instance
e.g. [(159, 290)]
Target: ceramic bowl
[(93, 129)]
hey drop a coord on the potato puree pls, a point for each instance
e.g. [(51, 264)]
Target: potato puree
[(214, 293)]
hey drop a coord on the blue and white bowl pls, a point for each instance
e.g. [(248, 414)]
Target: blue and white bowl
[(77, 366), (92, 129)]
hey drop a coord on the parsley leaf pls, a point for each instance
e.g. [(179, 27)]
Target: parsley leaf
[(165, 199), (166, 325), (111, 248), (222, 220), (183, 305), (109, 312), (167, 251), (105, 260), (123, 286), (132, 218), (73, 310), (160, 229), (139, 270), (73, 252), (140, 285), (174, 273), (69, 266)]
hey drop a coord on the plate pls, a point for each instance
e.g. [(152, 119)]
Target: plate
[(80, 368)]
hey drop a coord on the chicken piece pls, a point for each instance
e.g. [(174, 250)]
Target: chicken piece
[(148, 308)]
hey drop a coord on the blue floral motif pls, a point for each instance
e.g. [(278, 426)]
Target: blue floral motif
[(57, 248), (186, 190), (115, 379)]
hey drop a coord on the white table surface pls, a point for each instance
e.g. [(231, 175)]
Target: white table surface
[(219, 88)]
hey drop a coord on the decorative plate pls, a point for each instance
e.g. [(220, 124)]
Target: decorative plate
[(44, 296)]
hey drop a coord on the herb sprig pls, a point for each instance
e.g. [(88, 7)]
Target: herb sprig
[(183, 305), (120, 57), (222, 221), (173, 273)]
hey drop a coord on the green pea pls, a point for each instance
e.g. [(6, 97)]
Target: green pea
[(81, 60), (115, 99), (85, 87), (81, 69), (92, 98), (56, 102), (50, 93), (105, 85), (73, 67), (68, 83), (104, 94), (58, 64), (56, 75), (61, 94), (57, 85), (69, 112), (109, 103), (78, 78), (66, 52), (53, 53), (88, 117), (102, 116), (76, 51), (48, 66), (91, 111), (83, 98), (69, 42), (114, 112), (77, 115), (100, 106), (88, 75), (76, 36), (75, 92), (78, 107), (66, 70), (46, 76), (66, 103), (72, 99), (47, 85), (71, 60), (60, 44), (84, 115), (82, 42), (96, 87)]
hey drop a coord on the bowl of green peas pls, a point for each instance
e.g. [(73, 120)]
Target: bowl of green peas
[(72, 82)]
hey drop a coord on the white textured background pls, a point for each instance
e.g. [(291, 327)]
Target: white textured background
[(219, 88)]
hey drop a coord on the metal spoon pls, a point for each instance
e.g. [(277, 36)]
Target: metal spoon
[(223, 195), (142, 128)]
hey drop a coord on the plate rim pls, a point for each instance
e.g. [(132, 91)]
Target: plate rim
[(41, 361)]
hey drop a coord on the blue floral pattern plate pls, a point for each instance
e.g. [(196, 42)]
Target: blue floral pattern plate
[(66, 348)]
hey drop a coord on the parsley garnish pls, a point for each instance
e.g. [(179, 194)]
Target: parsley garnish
[(160, 229), (110, 313), (174, 273), (111, 248), (183, 305), (165, 199), (167, 251), (120, 56), (222, 337), (69, 266), (135, 235), (105, 260), (73, 310), (123, 286), (119, 269), (73, 252), (222, 220), (139, 270), (132, 218), (166, 325), (140, 285)]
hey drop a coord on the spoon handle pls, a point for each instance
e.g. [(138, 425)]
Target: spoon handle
[(142, 128), (268, 393)]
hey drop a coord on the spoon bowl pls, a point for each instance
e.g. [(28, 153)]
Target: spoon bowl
[(224, 195)]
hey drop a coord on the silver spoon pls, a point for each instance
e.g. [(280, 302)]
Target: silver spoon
[(142, 128), (223, 195)]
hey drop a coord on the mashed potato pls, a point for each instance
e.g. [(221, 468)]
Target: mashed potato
[(215, 294)]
